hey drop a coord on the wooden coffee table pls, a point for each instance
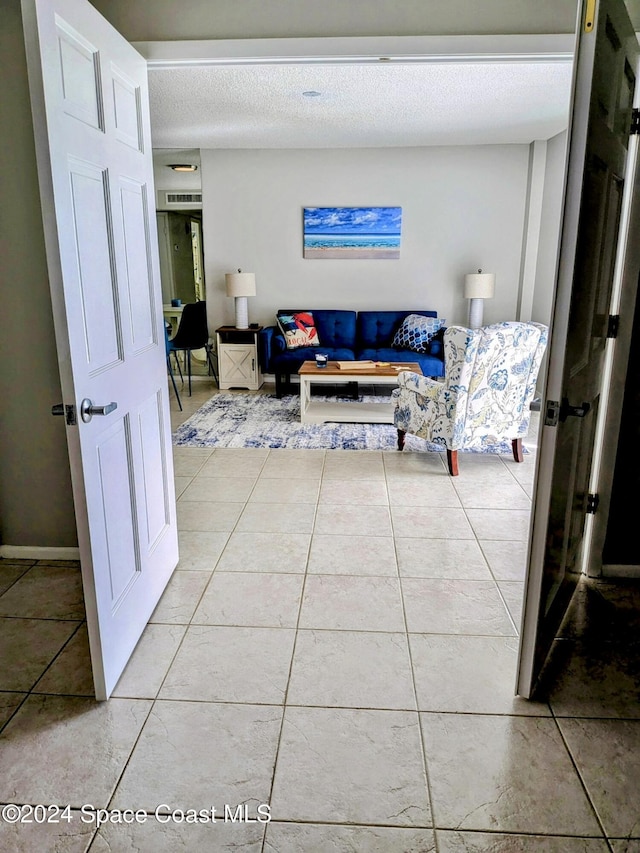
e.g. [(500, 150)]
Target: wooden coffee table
[(321, 411)]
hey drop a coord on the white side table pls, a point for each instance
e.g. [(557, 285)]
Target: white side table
[(238, 365)]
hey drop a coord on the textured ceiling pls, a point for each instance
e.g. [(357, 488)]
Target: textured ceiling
[(360, 105)]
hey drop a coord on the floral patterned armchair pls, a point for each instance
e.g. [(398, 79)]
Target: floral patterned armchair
[(490, 381)]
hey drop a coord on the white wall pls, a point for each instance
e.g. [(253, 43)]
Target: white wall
[(549, 240), (36, 505), (462, 208), (165, 178), (549, 228)]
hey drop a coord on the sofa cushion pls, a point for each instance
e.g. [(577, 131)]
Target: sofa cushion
[(336, 328), (416, 332), (377, 328), (298, 328)]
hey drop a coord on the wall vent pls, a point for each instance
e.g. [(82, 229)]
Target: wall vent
[(181, 198)]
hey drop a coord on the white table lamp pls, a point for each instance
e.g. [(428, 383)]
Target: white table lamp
[(240, 285), (478, 287)]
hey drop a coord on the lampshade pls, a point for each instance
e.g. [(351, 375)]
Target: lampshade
[(480, 285), (240, 283)]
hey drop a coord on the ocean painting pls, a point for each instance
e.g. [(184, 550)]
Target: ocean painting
[(352, 232)]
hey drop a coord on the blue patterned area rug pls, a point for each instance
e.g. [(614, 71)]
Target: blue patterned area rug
[(263, 420)]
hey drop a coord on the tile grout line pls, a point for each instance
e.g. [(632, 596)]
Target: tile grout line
[(284, 705), (423, 751), (583, 783), (157, 698), (293, 652)]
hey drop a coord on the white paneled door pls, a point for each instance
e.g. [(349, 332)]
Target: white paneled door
[(91, 119)]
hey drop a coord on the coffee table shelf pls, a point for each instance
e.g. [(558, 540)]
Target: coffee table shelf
[(335, 411)]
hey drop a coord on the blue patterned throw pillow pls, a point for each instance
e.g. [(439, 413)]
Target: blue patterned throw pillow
[(417, 332)]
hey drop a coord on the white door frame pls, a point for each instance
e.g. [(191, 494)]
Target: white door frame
[(165, 255), (623, 301)]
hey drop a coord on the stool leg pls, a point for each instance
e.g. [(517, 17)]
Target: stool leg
[(173, 382)]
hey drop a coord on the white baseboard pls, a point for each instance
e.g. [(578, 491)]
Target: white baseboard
[(620, 571), (36, 552)]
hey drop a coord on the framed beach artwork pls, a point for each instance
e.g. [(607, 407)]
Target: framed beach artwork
[(352, 232)]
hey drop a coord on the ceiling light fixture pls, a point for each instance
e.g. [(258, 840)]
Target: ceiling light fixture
[(183, 167), (311, 93)]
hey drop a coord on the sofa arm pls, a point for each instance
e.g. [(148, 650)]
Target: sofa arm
[(270, 343)]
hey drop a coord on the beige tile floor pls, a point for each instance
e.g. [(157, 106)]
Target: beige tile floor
[(339, 640)]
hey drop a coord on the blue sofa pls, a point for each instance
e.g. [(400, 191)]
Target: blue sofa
[(344, 336)]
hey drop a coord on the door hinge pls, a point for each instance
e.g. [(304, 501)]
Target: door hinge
[(552, 409), (635, 122), (590, 16), (613, 325), (592, 504)]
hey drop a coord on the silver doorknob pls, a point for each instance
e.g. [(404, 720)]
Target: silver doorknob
[(88, 410)]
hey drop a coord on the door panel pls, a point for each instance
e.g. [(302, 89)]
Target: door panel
[(93, 140), (126, 110), (80, 76), (117, 491), (136, 267), (157, 489), (92, 241), (598, 147)]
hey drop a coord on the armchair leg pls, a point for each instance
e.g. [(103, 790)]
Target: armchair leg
[(401, 437), (516, 445), (452, 462)]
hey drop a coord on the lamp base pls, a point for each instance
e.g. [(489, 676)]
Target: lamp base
[(476, 307), (242, 312)]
